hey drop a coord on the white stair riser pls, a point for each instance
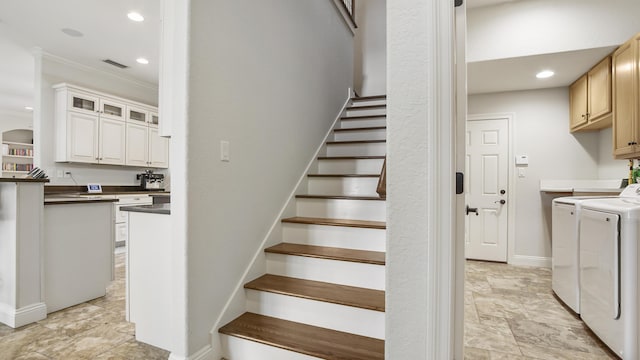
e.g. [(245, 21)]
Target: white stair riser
[(353, 186), (378, 134), (366, 149), (235, 348), (373, 210), (350, 124), (350, 166), (369, 102), (335, 236), (333, 271), (317, 313), (365, 112)]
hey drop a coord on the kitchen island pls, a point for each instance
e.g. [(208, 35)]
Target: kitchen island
[(78, 259), (150, 290)]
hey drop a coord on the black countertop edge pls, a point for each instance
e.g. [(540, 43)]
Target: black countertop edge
[(135, 192), (164, 209), (17, 180), (58, 201)]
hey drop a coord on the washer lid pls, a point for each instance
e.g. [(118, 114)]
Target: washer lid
[(615, 205), (572, 200)]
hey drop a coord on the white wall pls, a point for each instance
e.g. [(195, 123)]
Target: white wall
[(11, 121), (541, 131), (269, 77), (523, 28), (371, 47), (53, 70), (608, 167)]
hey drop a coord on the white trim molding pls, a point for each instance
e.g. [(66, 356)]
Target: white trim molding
[(421, 260), (206, 353), (16, 318)]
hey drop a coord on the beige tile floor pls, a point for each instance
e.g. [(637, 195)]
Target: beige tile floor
[(511, 313), (94, 330)]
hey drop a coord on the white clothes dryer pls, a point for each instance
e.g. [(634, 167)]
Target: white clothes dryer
[(608, 270)]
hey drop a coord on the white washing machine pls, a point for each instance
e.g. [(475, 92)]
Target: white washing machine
[(565, 250), (608, 270)]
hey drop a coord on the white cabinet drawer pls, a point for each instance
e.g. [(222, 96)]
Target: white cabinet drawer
[(134, 199)]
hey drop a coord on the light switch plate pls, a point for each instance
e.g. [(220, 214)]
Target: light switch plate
[(522, 160), (224, 150)]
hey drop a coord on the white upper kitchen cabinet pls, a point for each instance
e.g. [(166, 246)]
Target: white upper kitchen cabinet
[(82, 137), (112, 142), (137, 144), (158, 149), (145, 147), (93, 127)]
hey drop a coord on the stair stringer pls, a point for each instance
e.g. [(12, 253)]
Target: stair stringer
[(237, 303)]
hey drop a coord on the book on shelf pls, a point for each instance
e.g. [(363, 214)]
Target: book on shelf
[(16, 167)]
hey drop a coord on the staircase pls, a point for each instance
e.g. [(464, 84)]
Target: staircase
[(323, 294)]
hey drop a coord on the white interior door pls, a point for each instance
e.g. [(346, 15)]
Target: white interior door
[(487, 180)]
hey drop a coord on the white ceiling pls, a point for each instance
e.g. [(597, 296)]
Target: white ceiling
[(520, 73), (108, 34)]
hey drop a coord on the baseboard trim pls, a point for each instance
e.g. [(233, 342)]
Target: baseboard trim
[(206, 353), (16, 318), (537, 261)]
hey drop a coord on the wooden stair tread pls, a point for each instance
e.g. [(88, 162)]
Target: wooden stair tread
[(305, 339), (367, 98), (350, 157), (320, 291), (362, 117), (356, 142), (367, 107), (330, 253), (345, 175), (336, 222), (361, 128), (339, 197)]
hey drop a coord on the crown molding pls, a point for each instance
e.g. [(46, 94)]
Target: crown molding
[(38, 52)]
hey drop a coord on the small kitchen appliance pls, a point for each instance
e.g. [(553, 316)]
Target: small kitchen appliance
[(151, 181)]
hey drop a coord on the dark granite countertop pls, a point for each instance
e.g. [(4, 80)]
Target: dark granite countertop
[(16, 180), (106, 190), (66, 200), (164, 209)]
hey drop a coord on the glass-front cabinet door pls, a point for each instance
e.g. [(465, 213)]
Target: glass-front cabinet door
[(137, 115), (154, 120), (112, 109), (83, 103)]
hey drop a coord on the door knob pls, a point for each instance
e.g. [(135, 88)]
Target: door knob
[(503, 201), (502, 192), (472, 210)]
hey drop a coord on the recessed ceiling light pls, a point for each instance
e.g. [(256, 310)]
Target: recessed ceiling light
[(142, 61), (28, 108), (545, 74), (134, 16), (72, 32)]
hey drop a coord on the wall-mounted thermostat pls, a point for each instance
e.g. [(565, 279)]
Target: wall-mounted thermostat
[(522, 160)]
